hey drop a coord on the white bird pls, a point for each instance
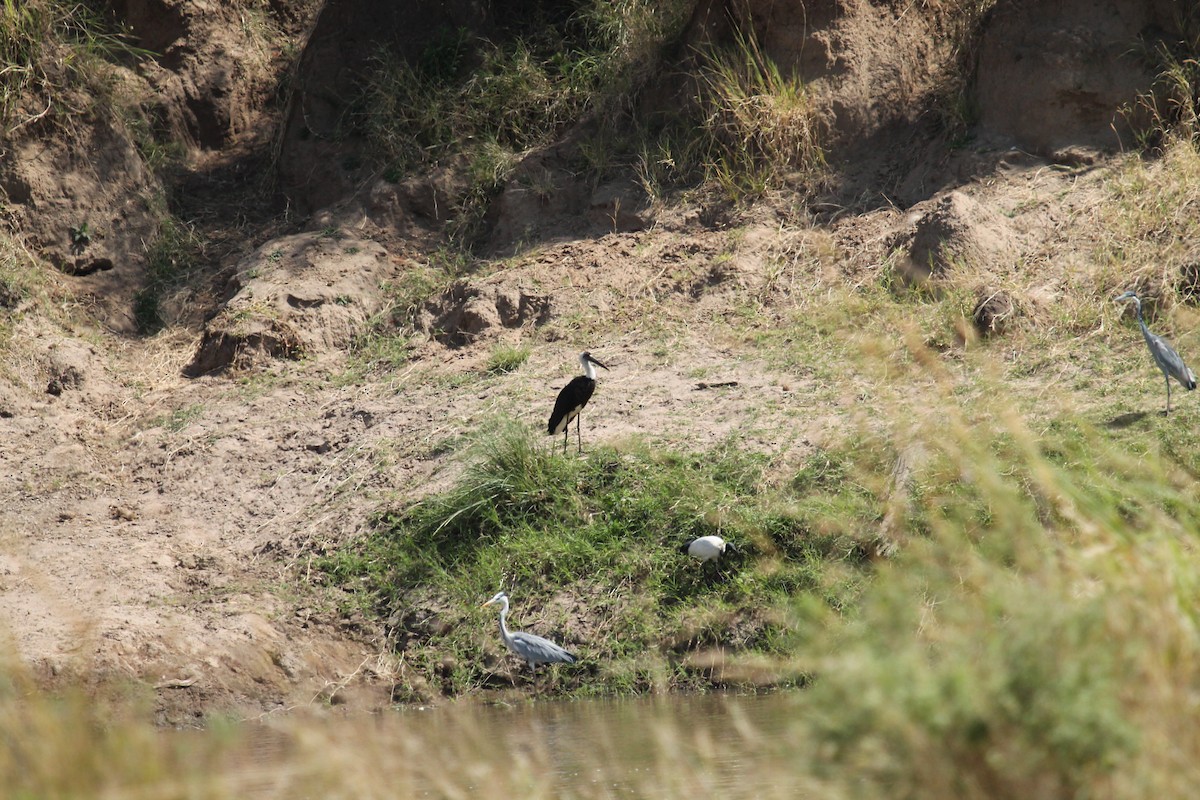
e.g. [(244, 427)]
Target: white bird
[(708, 548), (534, 649)]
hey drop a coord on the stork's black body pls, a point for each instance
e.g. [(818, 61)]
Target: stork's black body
[(571, 400)]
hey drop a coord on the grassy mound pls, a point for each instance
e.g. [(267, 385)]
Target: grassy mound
[(592, 547)]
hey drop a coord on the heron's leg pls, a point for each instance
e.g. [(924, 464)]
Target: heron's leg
[(1168, 380)]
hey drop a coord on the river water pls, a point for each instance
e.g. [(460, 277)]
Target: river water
[(663, 747)]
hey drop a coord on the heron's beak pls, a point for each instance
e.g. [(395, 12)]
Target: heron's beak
[(488, 603)]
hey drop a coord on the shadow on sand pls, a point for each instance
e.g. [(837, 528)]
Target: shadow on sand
[(1125, 420)]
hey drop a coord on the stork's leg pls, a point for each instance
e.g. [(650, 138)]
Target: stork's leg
[(566, 437), (578, 435)]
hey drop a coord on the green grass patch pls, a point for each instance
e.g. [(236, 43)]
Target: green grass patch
[(506, 358), (762, 124), (386, 341), (1010, 648), (174, 258), (562, 532), (178, 419)]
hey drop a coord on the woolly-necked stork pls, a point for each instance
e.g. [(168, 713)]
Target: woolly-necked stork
[(572, 399)]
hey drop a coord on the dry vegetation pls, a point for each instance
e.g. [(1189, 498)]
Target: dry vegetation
[(971, 544)]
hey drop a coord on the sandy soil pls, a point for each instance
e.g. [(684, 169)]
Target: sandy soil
[(159, 528)]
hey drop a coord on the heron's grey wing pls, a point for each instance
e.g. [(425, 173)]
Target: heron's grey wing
[(538, 650), (1169, 361)]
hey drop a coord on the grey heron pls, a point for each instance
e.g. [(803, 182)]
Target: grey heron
[(708, 548), (572, 399), (534, 649), (1168, 360)]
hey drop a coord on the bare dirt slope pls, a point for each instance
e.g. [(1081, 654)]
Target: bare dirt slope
[(158, 527), (164, 494)]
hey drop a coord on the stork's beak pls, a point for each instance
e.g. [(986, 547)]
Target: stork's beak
[(597, 363)]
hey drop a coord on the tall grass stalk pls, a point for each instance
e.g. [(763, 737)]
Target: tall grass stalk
[(76, 744)]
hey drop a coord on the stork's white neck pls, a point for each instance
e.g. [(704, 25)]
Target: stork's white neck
[(589, 368)]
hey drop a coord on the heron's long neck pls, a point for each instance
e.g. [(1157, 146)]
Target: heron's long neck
[(505, 636), (1137, 305), (589, 369)]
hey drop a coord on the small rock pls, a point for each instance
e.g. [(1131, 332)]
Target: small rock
[(124, 513)]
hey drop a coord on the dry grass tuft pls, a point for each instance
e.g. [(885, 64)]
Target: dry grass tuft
[(765, 126)]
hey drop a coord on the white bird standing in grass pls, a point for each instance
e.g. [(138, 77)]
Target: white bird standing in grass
[(708, 548), (534, 649), (1165, 357), (572, 399)]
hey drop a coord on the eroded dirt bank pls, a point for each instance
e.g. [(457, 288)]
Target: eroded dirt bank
[(165, 494)]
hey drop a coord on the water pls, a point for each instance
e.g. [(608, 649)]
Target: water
[(625, 745), (665, 747)]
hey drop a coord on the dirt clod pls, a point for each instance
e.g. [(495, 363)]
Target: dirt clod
[(994, 312)]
